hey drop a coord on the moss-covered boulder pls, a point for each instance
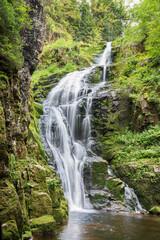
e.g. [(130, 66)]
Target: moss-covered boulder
[(155, 210), (116, 187), (55, 190), (143, 178), (38, 177), (95, 173), (10, 231), (61, 214), (10, 208), (27, 235), (43, 224), (99, 199), (39, 204)]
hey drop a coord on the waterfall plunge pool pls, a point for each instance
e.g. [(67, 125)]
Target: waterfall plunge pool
[(96, 225), (61, 121)]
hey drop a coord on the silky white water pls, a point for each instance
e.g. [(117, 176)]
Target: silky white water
[(130, 198), (106, 60), (68, 134)]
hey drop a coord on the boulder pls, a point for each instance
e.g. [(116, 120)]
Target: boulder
[(155, 210)]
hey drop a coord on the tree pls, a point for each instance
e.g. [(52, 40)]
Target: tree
[(13, 17), (62, 18), (87, 26), (109, 16)]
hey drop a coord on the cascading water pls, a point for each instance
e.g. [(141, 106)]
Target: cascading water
[(68, 131), (106, 60), (68, 145), (130, 198)]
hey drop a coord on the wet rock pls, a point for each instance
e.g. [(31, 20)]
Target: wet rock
[(39, 204), (145, 183), (99, 199), (9, 205), (116, 187), (94, 174), (96, 75), (43, 224), (61, 214), (27, 235), (10, 230), (155, 210)]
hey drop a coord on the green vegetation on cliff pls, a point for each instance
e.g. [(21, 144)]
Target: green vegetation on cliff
[(137, 63), (129, 135), (13, 17), (76, 32)]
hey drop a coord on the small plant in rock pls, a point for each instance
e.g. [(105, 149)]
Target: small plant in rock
[(13, 166), (52, 183)]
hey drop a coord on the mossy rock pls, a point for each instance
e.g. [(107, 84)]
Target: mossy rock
[(56, 192), (45, 223), (155, 210), (38, 109), (98, 198), (61, 214), (38, 177), (39, 204), (143, 183), (96, 75), (27, 235), (116, 187), (100, 171), (10, 208), (10, 231)]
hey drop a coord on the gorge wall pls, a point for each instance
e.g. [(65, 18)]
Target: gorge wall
[(115, 115), (32, 199)]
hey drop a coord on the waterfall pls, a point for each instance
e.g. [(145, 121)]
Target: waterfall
[(68, 134), (106, 60), (131, 200)]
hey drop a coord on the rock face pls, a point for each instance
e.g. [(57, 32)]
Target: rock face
[(104, 191), (28, 187), (113, 113)]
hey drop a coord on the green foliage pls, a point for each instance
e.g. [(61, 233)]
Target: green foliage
[(110, 17), (62, 57), (77, 20), (62, 18), (52, 183), (143, 146), (137, 63), (13, 17), (13, 167), (28, 185), (87, 30)]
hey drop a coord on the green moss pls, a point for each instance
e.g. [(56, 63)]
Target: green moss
[(38, 110), (33, 133), (10, 231), (27, 235), (45, 223), (39, 203), (100, 170), (10, 204), (155, 210), (116, 187), (61, 214)]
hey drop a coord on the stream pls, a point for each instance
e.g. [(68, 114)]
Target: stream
[(107, 226)]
